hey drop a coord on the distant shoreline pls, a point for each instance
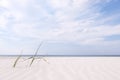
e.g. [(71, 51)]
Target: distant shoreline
[(62, 55)]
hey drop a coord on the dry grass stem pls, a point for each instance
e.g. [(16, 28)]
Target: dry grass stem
[(33, 58), (15, 63)]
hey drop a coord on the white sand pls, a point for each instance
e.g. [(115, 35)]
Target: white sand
[(62, 68)]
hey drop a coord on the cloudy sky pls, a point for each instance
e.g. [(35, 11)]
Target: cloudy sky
[(69, 27)]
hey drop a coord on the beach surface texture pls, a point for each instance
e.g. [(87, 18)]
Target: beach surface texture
[(61, 68)]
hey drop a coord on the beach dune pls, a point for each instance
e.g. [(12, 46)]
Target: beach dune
[(61, 68)]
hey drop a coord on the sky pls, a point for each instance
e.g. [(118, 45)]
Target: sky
[(65, 27)]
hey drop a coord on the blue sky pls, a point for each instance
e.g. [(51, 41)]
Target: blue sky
[(66, 27)]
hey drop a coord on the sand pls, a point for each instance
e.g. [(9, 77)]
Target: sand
[(61, 68)]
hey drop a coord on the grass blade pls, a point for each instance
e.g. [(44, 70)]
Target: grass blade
[(15, 63), (45, 60), (33, 58)]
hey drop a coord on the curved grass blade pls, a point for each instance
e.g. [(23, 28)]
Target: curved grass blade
[(36, 53), (15, 63)]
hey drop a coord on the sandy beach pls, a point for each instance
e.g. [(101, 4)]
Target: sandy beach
[(61, 68)]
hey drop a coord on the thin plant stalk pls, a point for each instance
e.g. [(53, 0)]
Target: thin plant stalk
[(33, 58), (15, 63), (38, 58), (45, 60)]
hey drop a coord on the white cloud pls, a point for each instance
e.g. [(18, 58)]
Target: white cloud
[(24, 23), (72, 20), (4, 3), (58, 4)]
